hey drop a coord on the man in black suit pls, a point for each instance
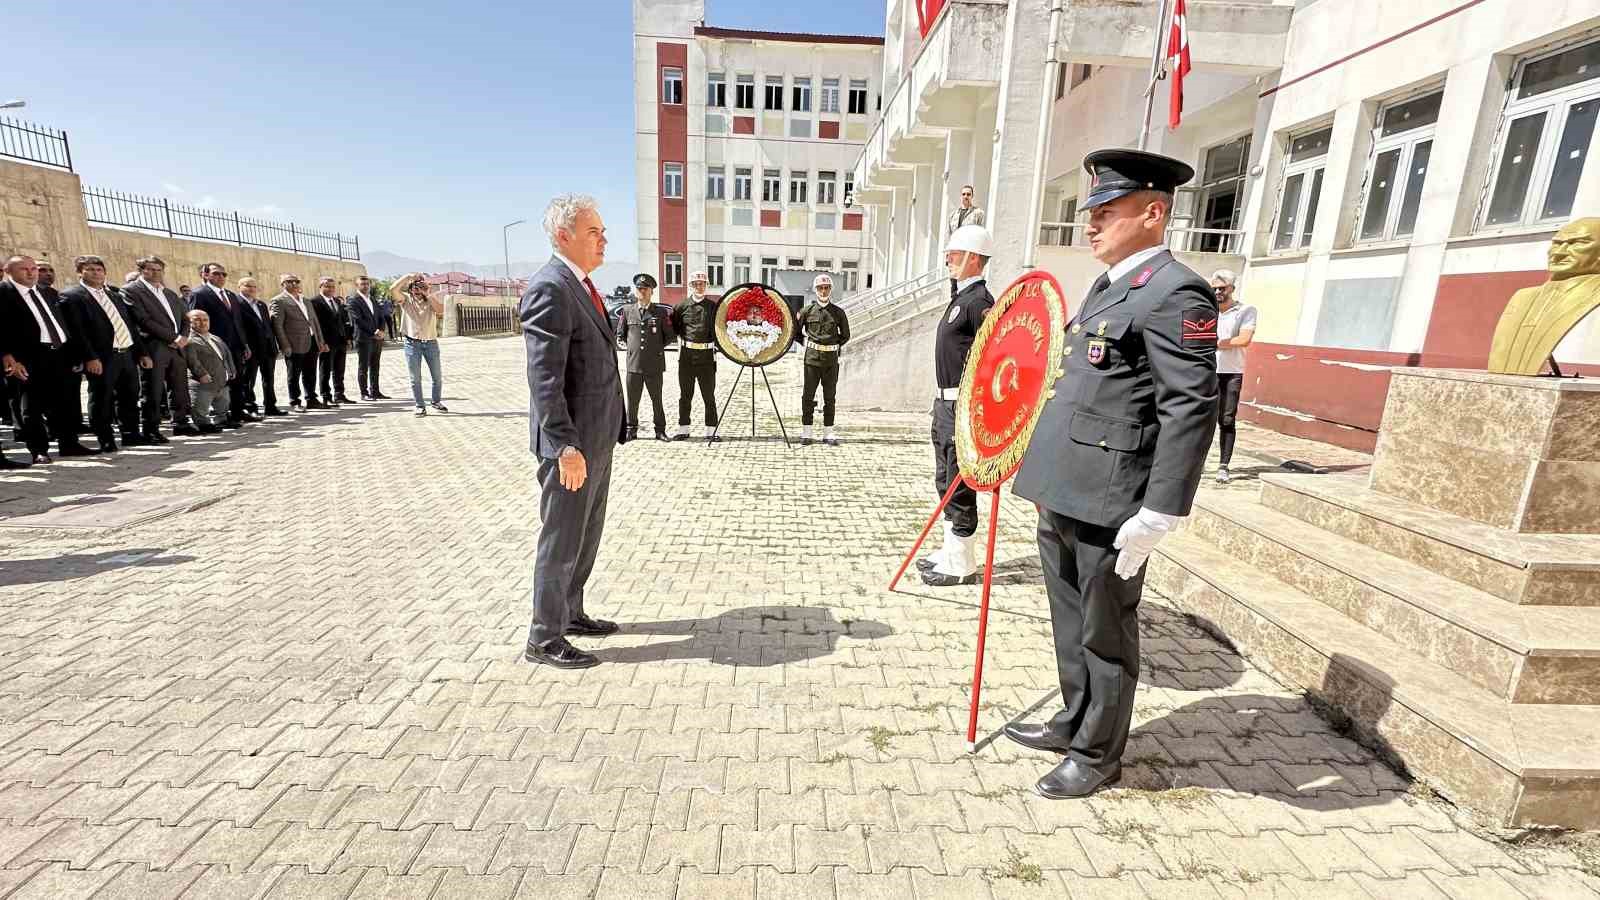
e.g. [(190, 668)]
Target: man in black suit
[(225, 310), (575, 420), (39, 350), (335, 326), (112, 355), (162, 318), (367, 328), (74, 386), (263, 351)]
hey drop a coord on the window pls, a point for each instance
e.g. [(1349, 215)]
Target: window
[(672, 180), (1401, 145), (826, 221), (716, 183), (798, 184), (1061, 80), (741, 270), (830, 96), (774, 92), (796, 262), (851, 270), (825, 186), (1302, 186), (741, 184), (742, 215), (849, 188), (802, 95), (1547, 125), (771, 186), (858, 96), (714, 270), (1221, 193), (716, 89), (825, 265), (672, 86), (769, 269), (672, 266), (744, 92), (1080, 74)]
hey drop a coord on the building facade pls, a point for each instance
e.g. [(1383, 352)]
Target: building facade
[(745, 146)]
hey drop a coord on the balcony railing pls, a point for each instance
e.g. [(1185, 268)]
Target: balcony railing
[(1183, 238)]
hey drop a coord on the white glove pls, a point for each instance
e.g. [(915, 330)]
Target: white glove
[(1138, 537)]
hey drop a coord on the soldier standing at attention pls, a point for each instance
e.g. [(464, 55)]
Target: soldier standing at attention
[(645, 328), (694, 320), (825, 329), (1116, 458), (966, 255)]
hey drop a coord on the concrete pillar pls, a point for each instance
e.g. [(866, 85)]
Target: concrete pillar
[(958, 171), (1016, 129)]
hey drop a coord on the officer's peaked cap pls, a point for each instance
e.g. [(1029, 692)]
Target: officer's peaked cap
[(644, 280), (1116, 173)]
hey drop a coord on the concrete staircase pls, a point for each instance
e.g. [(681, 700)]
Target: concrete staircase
[(1469, 653)]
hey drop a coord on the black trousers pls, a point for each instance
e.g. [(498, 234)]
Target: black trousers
[(332, 368), (74, 389), (569, 541), (266, 368), (1094, 616), (962, 510), (302, 375), (236, 389), (168, 374), (1228, 386), (369, 355), (47, 411), (828, 377), (697, 373), (114, 394), (638, 383)]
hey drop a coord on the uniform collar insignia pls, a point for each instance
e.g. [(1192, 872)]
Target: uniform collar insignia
[(1144, 276)]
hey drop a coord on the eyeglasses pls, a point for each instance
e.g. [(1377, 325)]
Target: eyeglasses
[(292, 281)]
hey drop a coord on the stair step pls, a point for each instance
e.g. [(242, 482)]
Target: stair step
[(1537, 569), (1526, 654), (1520, 763)]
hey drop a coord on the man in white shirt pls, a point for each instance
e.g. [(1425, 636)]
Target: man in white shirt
[(112, 355), (160, 314), (38, 350), (366, 325), (1236, 328)]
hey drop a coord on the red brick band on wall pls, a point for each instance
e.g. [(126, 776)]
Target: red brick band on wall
[(672, 145)]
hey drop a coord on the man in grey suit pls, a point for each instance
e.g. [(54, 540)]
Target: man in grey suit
[(162, 318), (575, 420), (299, 342), (1116, 458)]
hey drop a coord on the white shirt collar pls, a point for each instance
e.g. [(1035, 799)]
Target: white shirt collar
[(96, 291), (160, 294), (1128, 265), (573, 266), (965, 283)]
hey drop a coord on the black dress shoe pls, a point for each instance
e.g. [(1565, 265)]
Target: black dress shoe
[(209, 429), (940, 579), (133, 440), (297, 406), (189, 430), (1072, 780), (274, 411), (7, 464), (76, 449), (249, 417), (108, 445), (560, 654), (316, 404), (806, 442), (41, 459), (1036, 737), (231, 426), (714, 439), (662, 436), (342, 399), (367, 397), (926, 564), (591, 627), (381, 396), (155, 437), (680, 437)]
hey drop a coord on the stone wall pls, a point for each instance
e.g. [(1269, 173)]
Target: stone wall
[(42, 215)]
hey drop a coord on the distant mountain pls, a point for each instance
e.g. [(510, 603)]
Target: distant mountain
[(389, 265)]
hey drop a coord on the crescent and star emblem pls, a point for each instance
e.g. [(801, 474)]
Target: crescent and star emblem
[(999, 381)]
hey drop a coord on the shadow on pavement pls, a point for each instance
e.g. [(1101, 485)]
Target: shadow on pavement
[(80, 565), (751, 636)]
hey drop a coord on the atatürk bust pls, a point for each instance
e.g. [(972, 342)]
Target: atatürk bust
[(1537, 318)]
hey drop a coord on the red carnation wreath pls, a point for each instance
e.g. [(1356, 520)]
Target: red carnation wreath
[(754, 325)]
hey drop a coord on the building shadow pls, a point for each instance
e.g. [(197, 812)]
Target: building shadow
[(750, 636), (67, 567)]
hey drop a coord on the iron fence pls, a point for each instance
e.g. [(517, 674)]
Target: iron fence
[(35, 143), (477, 320), (177, 220)]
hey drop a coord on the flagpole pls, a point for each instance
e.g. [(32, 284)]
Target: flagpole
[(1162, 28)]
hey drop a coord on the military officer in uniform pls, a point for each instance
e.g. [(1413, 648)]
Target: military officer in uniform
[(966, 255), (825, 328), (694, 320), (645, 328), (1116, 458)]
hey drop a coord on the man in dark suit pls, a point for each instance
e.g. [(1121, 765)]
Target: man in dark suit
[(99, 315), (161, 317), (38, 350), (368, 331), (335, 325), (1116, 458), (299, 336), (575, 420), (225, 311), (645, 328), (46, 287), (263, 351)]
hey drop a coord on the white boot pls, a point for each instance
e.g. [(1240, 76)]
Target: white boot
[(960, 562), (828, 437), (683, 433), (932, 560), (805, 434)]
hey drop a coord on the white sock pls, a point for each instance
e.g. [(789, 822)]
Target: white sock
[(805, 432)]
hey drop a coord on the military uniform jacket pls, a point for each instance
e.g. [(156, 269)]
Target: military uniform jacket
[(696, 321), (646, 333), (1131, 420), (826, 325), (957, 328)]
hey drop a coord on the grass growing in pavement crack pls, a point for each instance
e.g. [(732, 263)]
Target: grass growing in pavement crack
[(833, 758), (1016, 866), (880, 738)]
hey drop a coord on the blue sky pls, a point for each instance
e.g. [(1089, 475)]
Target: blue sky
[(422, 127)]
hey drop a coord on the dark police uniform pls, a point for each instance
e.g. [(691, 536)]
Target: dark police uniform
[(959, 325), (695, 323), (825, 329), (646, 331), (1129, 426)]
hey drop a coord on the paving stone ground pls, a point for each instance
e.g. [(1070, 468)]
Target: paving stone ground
[(312, 686)]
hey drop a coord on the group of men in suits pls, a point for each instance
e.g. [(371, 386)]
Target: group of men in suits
[(146, 352)]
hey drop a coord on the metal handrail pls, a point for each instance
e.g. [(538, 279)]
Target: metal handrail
[(869, 303)]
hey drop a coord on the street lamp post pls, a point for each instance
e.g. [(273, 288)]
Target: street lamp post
[(14, 104), (505, 244)]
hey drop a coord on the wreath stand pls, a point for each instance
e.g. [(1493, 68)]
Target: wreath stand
[(775, 411), (988, 579)]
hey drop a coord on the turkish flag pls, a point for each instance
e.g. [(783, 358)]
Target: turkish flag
[(1178, 52)]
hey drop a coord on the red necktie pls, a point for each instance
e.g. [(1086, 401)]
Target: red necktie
[(594, 295)]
